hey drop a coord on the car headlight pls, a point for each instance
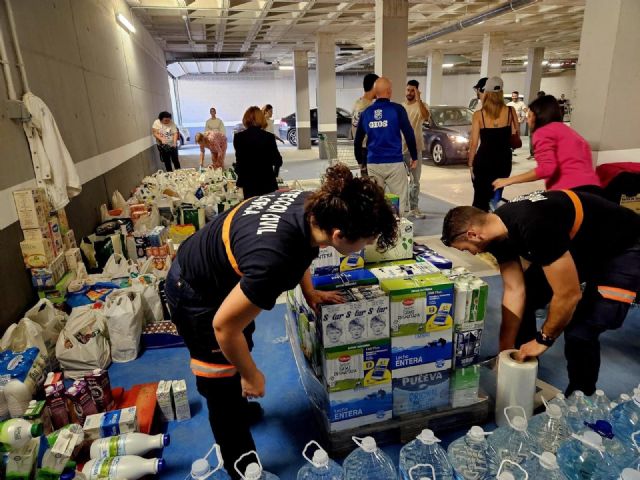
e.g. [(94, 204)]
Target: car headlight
[(458, 138)]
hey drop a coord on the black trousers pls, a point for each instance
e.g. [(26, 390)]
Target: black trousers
[(169, 156), (593, 316), (483, 190), (228, 410)]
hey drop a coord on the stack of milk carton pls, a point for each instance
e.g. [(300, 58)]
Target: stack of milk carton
[(421, 340), (471, 295)]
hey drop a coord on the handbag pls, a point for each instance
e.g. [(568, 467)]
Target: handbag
[(514, 140)]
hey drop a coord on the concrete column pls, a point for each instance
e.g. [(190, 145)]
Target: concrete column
[(532, 78), (433, 95), (608, 81), (392, 24), (326, 89), (303, 119), (492, 47)]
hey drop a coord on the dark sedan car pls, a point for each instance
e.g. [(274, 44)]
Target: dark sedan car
[(446, 135), (288, 125)]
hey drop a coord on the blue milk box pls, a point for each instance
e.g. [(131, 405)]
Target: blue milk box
[(357, 407), (421, 392), (357, 366), (350, 278)]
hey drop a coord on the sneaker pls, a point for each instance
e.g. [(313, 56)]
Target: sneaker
[(418, 214)]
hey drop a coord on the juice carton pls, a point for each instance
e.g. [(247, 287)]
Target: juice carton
[(163, 397), (100, 386), (180, 399), (56, 401), (110, 423), (81, 401)]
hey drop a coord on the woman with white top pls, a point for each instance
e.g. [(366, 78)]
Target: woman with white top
[(267, 110), (166, 134)]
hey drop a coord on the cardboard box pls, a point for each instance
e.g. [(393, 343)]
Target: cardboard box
[(32, 207), (55, 234), (351, 278), (180, 399), (326, 263), (465, 385), (421, 353), (631, 202), (404, 271), (163, 397), (73, 257), (48, 276), (354, 408), (357, 366), (69, 240), (422, 252), (402, 249), (111, 423), (470, 306), (63, 221), (37, 253), (421, 392), (57, 294), (467, 347)]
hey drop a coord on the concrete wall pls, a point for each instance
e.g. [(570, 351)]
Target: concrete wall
[(104, 86), (232, 94)]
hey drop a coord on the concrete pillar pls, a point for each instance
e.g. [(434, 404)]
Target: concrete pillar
[(303, 119), (433, 94), (492, 47), (392, 25), (532, 78), (608, 81), (326, 89)]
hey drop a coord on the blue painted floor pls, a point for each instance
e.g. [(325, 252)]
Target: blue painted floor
[(288, 424)]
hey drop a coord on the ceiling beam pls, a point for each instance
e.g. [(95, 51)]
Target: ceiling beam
[(255, 28), (222, 26)]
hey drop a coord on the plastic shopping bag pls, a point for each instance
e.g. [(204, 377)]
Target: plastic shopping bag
[(123, 313), (23, 335), (117, 267), (83, 345), (118, 201), (52, 321), (146, 286)]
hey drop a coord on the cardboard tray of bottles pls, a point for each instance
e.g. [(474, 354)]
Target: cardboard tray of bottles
[(401, 429)]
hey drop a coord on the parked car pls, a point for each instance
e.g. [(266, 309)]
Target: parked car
[(288, 130), (183, 135), (446, 135)]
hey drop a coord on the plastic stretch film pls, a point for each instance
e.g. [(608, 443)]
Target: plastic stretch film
[(516, 384)]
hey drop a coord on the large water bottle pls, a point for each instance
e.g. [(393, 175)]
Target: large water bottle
[(414, 472), (513, 442), (624, 397), (583, 404), (601, 407), (472, 457), (425, 450), (630, 474), (201, 470), (583, 457), (368, 461), (621, 453), (626, 419), (544, 466), (549, 429), (574, 420), (254, 471), (320, 467), (509, 470), (561, 401)]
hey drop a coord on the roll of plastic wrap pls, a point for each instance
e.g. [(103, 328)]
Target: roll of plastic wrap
[(516, 384)]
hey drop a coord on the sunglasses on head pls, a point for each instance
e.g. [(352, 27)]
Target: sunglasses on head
[(447, 241)]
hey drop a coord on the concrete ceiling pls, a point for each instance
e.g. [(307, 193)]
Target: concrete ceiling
[(264, 33)]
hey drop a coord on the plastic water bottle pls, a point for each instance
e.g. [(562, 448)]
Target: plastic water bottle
[(420, 467), (600, 405), (625, 419), (472, 457), (513, 442), (425, 450), (17, 432), (368, 461), (254, 471), (561, 401), (621, 453), (320, 467), (575, 420), (201, 470), (583, 457), (130, 467), (18, 396), (511, 471), (127, 444), (583, 404), (624, 397), (549, 429), (544, 466)]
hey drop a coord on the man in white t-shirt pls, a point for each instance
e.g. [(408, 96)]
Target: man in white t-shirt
[(418, 113), (214, 124), (521, 109)]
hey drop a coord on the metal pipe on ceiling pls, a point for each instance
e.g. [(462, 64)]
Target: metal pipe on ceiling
[(505, 8)]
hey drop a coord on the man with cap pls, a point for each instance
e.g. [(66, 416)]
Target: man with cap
[(566, 238), (476, 103)]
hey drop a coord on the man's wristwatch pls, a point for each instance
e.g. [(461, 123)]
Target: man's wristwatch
[(543, 339)]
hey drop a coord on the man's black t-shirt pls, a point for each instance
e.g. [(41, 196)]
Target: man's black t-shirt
[(539, 225), (271, 241)]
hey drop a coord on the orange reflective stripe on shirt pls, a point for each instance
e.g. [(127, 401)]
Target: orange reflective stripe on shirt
[(212, 370), (577, 204), (226, 237), (617, 294)]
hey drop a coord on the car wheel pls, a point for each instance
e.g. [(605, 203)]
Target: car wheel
[(180, 141), (292, 136), (437, 154)]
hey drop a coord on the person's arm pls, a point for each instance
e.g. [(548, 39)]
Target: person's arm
[(513, 302), (545, 146), (315, 297), (562, 276), (176, 135), (276, 158), (233, 316), (529, 176), (475, 138), (156, 133), (409, 136), (201, 155), (357, 143), (424, 110)]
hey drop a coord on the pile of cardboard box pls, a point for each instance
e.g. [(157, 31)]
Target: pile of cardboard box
[(49, 248)]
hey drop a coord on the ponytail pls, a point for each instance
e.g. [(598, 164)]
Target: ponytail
[(355, 206)]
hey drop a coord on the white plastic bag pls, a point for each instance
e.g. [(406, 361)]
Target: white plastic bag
[(123, 312), (83, 345), (22, 335), (118, 201), (52, 322), (147, 222), (147, 287), (116, 267)]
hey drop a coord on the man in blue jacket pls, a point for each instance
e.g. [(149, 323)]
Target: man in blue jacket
[(384, 123)]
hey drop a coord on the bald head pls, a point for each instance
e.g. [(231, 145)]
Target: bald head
[(382, 87)]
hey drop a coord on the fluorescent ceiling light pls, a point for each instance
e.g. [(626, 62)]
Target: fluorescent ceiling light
[(525, 63), (544, 62), (124, 21), (555, 65), (285, 67), (447, 65)]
